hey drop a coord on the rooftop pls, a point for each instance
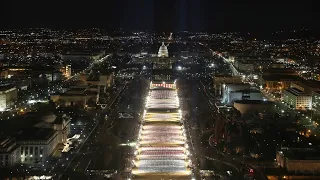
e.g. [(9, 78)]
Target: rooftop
[(34, 134), (253, 102), (278, 77), (312, 83), (248, 91), (296, 92), (5, 87), (302, 154)]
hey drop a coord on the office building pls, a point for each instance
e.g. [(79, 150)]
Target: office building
[(227, 88), (278, 82), (316, 101), (61, 124), (306, 86), (36, 144), (297, 99), (8, 95), (299, 160), (76, 96), (219, 80), (242, 95)]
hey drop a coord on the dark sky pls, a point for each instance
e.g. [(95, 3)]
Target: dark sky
[(163, 15)]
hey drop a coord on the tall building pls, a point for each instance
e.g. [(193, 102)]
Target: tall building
[(8, 95)]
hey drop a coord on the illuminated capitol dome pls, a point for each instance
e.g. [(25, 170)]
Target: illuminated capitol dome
[(163, 51)]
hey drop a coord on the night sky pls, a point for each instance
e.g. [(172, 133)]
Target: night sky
[(163, 15)]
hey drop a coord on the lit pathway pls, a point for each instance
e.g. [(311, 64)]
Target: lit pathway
[(162, 151)]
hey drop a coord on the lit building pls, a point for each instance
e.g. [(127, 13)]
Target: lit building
[(218, 81), (251, 64), (244, 66), (162, 66), (316, 101), (60, 124), (77, 96), (278, 82), (159, 84), (243, 95), (231, 87), (9, 152), (66, 71), (306, 86), (105, 80), (297, 99), (36, 144), (36, 74), (163, 51), (299, 160), (8, 95)]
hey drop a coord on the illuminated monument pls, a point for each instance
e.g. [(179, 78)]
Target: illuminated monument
[(163, 51), (162, 66), (161, 56)]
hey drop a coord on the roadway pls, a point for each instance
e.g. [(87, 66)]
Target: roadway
[(199, 121), (89, 68), (237, 163), (102, 150)]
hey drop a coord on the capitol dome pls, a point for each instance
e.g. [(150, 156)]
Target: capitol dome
[(49, 117), (163, 51)]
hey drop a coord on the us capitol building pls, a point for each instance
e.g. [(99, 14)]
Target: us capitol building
[(162, 56), (161, 63)]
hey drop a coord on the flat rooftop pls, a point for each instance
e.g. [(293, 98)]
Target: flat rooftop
[(296, 92), (34, 134), (248, 91), (280, 77), (305, 154), (253, 102), (312, 83), (6, 87)]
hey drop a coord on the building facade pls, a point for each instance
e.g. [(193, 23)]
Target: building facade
[(218, 81), (278, 82), (227, 88), (9, 152), (304, 160), (297, 99), (37, 144), (316, 101), (243, 95), (8, 95)]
